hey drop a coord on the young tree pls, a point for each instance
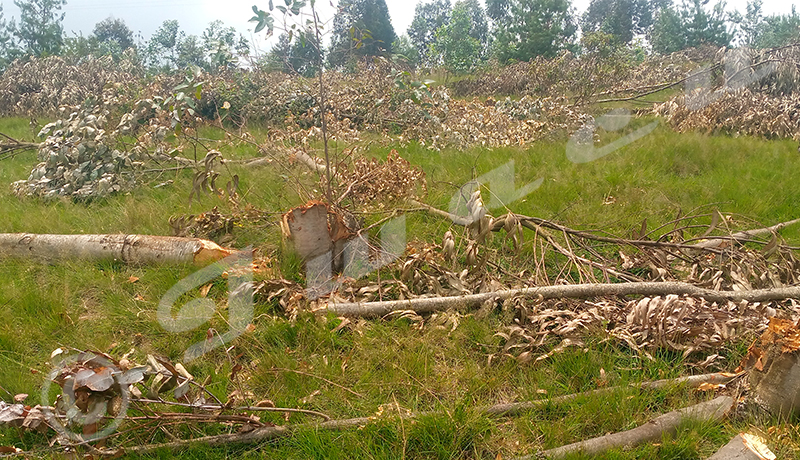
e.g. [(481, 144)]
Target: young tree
[(112, 36), (40, 30), (300, 56), (622, 19), (778, 30), (751, 23), (360, 28), (8, 47), (524, 29), (690, 27), (222, 45), (428, 18), (404, 49), (460, 52), (161, 51)]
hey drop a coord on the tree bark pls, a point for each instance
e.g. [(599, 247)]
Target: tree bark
[(431, 304), (651, 431), (130, 249)]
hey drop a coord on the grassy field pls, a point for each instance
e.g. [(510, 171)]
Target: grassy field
[(379, 366)]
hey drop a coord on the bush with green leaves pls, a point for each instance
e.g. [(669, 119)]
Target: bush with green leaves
[(78, 159)]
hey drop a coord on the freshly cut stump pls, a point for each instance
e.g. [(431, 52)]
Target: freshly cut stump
[(773, 366), (745, 446)]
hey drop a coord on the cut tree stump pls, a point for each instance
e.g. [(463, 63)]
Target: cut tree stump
[(744, 446), (130, 249), (773, 366)]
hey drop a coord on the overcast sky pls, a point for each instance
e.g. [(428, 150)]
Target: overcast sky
[(144, 16)]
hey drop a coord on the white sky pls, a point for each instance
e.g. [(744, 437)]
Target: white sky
[(144, 16)]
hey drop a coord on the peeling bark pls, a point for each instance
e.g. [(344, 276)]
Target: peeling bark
[(129, 249), (431, 304), (744, 446)]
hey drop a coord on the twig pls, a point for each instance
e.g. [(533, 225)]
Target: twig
[(283, 369), (222, 407)]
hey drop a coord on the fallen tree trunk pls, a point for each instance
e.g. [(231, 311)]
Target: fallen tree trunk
[(651, 431), (431, 304), (692, 381), (744, 446), (130, 249)]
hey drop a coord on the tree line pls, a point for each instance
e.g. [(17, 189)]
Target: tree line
[(459, 37)]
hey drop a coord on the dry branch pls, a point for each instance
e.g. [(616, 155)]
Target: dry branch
[(265, 433), (747, 234), (132, 249), (431, 304), (692, 381), (652, 431)]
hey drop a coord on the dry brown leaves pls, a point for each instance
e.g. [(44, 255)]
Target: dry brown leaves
[(375, 183), (676, 323)]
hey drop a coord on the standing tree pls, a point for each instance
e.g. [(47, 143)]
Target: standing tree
[(428, 18), (300, 56), (524, 29), (113, 36), (779, 30), (40, 30), (8, 47), (690, 27), (222, 45), (751, 23), (462, 42), (360, 28), (161, 52), (622, 19)]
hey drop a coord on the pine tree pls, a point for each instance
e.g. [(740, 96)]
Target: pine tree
[(40, 30), (360, 28)]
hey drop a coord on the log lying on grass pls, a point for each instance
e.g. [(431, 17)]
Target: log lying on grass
[(431, 304), (130, 249), (653, 430)]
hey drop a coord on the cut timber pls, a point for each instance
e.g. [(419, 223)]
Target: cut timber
[(431, 304), (773, 365), (131, 249), (653, 430), (744, 446)]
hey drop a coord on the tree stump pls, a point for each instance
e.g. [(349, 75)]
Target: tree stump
[(773, 367)]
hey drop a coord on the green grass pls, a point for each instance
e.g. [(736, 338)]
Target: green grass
[(392, 363)]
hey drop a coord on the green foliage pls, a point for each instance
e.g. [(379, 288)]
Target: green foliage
[(301, 55), (525, 29), (690, 26), (778, 30), (8, 46), (622, 19), (40, 30), (114, 35), (360, 28), (428, 19), (405, 51), (461, 51)]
